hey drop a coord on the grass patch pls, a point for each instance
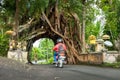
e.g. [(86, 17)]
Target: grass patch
[(113, 65), (110, 65)]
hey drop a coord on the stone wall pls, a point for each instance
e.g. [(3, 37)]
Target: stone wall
[(93, 58), (17, 51), (18, 55), (99, 57), (110, 56)]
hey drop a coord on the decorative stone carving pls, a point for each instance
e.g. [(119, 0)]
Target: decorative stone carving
[(99, 45), (17, 51), (12, 45)]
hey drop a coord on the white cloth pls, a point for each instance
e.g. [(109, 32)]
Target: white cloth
[(108, 44)]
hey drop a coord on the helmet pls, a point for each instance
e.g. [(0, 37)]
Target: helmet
[(59, 40)]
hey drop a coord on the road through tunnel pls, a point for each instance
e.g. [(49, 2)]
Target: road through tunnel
[(46, 44)]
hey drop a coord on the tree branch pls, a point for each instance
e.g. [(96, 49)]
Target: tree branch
[(25, 26)]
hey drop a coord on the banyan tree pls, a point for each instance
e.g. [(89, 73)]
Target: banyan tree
[(54, 21)]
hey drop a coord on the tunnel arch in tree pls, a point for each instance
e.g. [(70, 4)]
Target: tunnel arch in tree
[(53, 24)]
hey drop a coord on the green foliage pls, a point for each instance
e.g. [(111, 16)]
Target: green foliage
[(44, 51), (50, 61), (93, 29), (37, 6), (118, 17), (37, 53), (3, 43), (33, 8), (71, 6), (46, 46), (27, 8), (118, 58), (113, 65), (9, 6), (111, 11)]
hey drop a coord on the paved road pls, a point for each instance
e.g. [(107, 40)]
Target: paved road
[(49, 72)]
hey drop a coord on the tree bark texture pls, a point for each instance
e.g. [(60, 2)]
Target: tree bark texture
[(68, 30), (16, 24)]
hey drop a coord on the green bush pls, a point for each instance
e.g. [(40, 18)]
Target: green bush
[(4, 44), (50, 61), (113, 65)]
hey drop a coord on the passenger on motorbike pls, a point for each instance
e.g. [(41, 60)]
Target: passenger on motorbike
[(60, 46)]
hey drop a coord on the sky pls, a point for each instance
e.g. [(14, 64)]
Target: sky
[(36, 43)]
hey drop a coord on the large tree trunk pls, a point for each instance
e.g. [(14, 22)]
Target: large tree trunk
[(16, 22), (83, 27)]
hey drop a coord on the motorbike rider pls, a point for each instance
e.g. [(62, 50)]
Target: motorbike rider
[(56, 48)]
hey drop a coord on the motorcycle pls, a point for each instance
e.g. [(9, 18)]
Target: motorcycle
[(61, 60)]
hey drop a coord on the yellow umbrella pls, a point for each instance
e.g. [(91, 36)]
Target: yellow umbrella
[(92, 41), (106, 37), (10, 32), (92, 37)]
